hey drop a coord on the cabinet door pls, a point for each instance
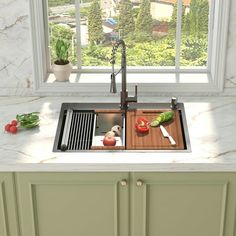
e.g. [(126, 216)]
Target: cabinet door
[(71, 204), (8, 215), (179, 204)]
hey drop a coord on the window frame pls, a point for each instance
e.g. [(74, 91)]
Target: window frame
[(215, 70)]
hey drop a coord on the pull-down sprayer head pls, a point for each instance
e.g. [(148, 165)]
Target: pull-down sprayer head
[(125, 99)]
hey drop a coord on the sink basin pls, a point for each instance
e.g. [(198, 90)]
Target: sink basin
[(104, 120), (82, 126)]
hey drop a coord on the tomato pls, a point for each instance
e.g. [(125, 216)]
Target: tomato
[(14, 122), (142, 125), (7, 127), (13, 129), (109, 141)]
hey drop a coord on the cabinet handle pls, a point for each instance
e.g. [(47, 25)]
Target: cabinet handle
[(123, 182), (139, 183)]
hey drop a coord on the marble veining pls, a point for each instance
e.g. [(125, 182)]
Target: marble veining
[(16, 53), (230, 74), (230, 82), (230, 78), (211, 123)]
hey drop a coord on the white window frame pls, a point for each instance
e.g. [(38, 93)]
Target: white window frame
[(214, 72)]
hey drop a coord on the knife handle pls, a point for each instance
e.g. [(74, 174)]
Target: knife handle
[(172, 141)]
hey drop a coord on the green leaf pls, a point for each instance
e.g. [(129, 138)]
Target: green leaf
[(29, 120)]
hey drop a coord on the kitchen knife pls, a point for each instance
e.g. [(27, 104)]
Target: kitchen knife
[(166, 135)]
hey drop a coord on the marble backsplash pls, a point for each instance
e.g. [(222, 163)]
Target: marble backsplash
[(15, 49), (230, 77), (16, 52)]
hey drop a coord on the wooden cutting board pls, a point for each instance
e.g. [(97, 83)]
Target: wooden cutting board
[(153, 140)]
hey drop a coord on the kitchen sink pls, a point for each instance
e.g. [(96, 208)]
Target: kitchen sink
[(104, 120), (82, 126)]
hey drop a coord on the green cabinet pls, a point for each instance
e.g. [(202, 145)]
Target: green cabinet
[(183, 204), (8, 213), (71, 204), (127, 204)]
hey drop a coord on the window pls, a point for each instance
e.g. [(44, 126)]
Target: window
[(184, 38)]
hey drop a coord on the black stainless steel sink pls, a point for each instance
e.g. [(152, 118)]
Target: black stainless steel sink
[(81, 127), (102, 124)]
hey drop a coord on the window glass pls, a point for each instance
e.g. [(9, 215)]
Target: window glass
[(62, 25), (194, 43), (148, 28)]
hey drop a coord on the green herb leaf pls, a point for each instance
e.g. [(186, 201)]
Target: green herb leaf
[(29, 120)]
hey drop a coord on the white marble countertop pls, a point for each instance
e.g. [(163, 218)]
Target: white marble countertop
[(211, 123)]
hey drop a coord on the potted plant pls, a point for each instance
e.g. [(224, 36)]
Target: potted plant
[(62, 67)]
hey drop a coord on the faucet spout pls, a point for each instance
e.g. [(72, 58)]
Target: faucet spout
[(124, 97)]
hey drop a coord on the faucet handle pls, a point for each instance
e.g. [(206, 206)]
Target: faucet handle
[(135, 98), (136, 92)]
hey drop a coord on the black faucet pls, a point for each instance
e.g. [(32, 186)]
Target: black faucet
[(124, 97)]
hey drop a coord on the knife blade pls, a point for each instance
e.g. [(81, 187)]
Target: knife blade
[(166, 135)]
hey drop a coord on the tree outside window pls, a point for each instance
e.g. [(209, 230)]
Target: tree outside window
[(148, 27)]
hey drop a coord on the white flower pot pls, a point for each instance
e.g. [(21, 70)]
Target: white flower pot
[(62, 72)]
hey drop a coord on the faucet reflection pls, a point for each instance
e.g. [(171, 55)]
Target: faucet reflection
[(124, 97)]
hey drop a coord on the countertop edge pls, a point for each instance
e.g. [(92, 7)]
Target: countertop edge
[(96, 167)]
